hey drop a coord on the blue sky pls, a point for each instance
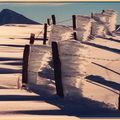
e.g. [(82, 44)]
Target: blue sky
[(41, 11)]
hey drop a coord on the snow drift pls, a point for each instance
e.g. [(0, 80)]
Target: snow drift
[(60, 32), (40, 73), (98, 29), (83, 27), (73, 67), (108, 18)]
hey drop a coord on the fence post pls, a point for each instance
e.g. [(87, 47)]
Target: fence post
[(53, 19), (32, 38), (74, 22), (74, 26), (103, 11), (119, 102), (45, 34), (92, 15), (25, 65), (48, 21), (75, 35), (57, 70)]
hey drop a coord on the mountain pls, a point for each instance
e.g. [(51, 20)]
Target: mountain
[(10, 17)]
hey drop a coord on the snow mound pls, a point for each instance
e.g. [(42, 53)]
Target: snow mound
[(73, 67), (40, 71), (83, 24), (60, 32)]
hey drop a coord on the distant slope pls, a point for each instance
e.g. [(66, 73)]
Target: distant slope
[(10, 17)]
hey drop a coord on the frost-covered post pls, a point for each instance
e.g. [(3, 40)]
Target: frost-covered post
[(45, 34), (32, 38), (25, 65), (53, 19), (57, 70), (74, 26)]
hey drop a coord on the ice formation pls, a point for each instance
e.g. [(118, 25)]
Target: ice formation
[(83, 27)]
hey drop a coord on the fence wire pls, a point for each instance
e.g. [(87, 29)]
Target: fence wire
[(63, 21), (40, 33), (93, 58)]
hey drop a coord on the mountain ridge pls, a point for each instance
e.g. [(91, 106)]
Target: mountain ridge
[(8, 16)]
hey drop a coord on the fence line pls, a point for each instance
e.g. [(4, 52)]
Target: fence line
[(88, 57), (63, 21), (40, 33)]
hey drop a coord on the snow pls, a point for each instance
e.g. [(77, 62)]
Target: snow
[(108, 17), (61, 32), (12, 40), (98, 29), (73, 67), (83, 27), (86, 71), (40, 74), (84, 66), (111, 19)]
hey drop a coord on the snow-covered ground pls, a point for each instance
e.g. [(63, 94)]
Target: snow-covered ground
[(102, 73), (12, 41), (100, 86)]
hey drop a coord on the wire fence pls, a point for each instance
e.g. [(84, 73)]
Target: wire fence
[(93, 58), (40, 33), (64, 21)]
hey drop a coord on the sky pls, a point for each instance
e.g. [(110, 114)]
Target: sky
[(63, 11)]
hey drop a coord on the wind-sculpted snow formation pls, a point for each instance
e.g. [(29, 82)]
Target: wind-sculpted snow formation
[(83, 27), (60, 32), (98, 25), (40, 71), (73, 67), (79, 60)]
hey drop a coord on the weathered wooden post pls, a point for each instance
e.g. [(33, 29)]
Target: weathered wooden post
[(32, 38), (57, 70), (92, 15), (103, 11), (91, 36), (25, 66), (74, 22), (48, 21), (53, 19), (119, 102), (45, 34), (74, 26), (75, 35)]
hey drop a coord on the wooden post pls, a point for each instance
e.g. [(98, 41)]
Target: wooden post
[(53, 19), (74, 26), (45, 34), (103, 11), (119, 102), (32, 38), (48, 21), (57, 70), (92, 15), (25, 66), (74, 22), (75, 35)]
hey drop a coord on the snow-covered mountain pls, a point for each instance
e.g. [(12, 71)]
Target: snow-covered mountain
[(11, 17)]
